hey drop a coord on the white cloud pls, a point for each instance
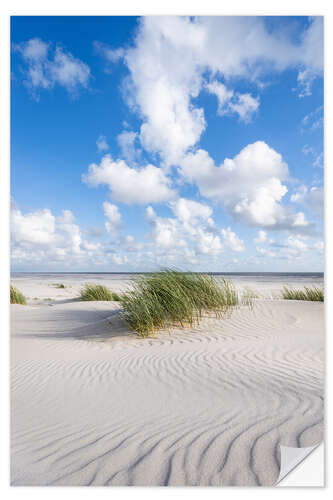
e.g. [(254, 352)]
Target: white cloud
[(36, 227), (318, 161), (208, 243), (313, 120), (232, 240), (143, 185), (245, 106), (265, 252), (33, 50), (42, 239), (298, 196), (230, 102), (172, 54), (68, 71), (192, 226), (305, 80), (317, 157), (167, 232), (223, 95), (312, 198), (191, 213), (111, 55), (113, 225), (261, 238), (308, 150), (46, 67), (296, 242), (102, 144), (249, 185), (129, 150)]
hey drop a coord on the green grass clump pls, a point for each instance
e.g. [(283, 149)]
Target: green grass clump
[(173, 298), (59, 285), (314, 293), (98, 292), (16, 297)]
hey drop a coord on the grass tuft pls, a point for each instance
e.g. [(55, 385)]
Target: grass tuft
[(17, 297), (98, 292), (172, 298), (59, 285), (248, 295), (313, 294)]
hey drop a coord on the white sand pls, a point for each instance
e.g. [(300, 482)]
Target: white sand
[(95, 405)]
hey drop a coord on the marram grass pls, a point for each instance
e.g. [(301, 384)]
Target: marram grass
[(98, 292), (172, 298), (59, 285), (16, 297), (313, 294)]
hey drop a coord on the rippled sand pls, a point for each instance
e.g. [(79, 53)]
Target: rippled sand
[(95, 405)]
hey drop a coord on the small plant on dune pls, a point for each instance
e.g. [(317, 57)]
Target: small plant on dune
[(314, 293), (98, 292), (248, 295), (60, 285), (16, 297), (172, 298)]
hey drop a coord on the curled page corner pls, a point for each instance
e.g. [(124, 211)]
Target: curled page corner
[(291, 457)]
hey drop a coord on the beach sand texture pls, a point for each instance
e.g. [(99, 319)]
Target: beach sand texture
[(92, 404)]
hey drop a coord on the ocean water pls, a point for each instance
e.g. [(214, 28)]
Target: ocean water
[(266, 280)]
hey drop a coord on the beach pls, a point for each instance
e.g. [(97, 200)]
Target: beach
[(94, 404)]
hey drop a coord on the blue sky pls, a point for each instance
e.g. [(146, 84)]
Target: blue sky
[(143, 142)]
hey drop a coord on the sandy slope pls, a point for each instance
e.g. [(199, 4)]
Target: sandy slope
[(93, 405)]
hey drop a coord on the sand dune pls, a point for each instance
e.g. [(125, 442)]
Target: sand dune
[(95, 405)]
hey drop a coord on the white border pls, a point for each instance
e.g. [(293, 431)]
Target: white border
[(133, 7)]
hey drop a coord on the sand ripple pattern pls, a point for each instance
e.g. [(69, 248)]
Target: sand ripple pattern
[(93, 405)]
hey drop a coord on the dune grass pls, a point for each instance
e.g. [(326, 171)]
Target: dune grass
[(313, 294), (248, 295), (98, 292), (59, 285), (17, 297), (172, 298)]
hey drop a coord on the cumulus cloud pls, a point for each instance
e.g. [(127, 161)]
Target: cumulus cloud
[(166, 231), (43, 239), (171, 55), (128, 185), (191, 213), (312, 198), (46, 68), (250, 186), (261, 238), (113, 225), (245, 105), (191, 230), (36, 227), (232, 241), (102, 144)]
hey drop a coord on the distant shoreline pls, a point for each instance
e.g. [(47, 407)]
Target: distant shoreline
[(217, 273)]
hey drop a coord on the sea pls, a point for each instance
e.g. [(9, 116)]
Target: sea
[(251, 278)]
